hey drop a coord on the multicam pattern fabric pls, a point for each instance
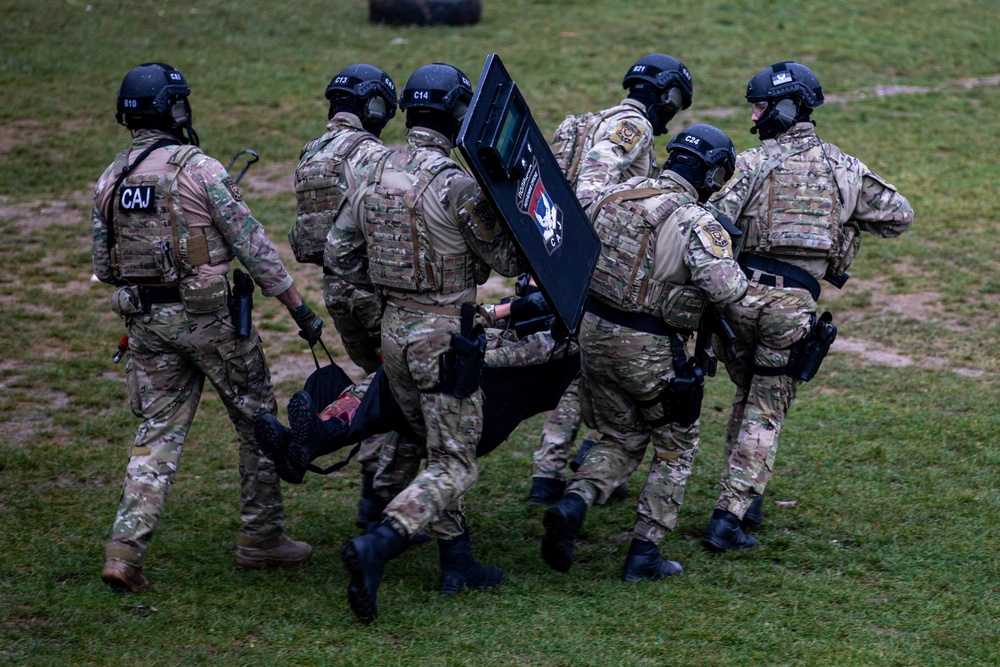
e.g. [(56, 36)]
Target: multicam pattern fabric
[(212, 204), (769, 320), (357, 316), (452, 223), (864, 199), (558, 435), (624, 369), (172, 350), (321, 183), (620, 148), (171, 353)]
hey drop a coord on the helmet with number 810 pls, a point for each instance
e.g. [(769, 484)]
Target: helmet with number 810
[(155, 95)]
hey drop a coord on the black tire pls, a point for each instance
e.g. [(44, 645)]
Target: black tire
[(425, 12)]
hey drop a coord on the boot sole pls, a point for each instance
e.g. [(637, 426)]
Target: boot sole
[(300, 419), (556, 530), (362, 602), (252, 564), (718, 547)]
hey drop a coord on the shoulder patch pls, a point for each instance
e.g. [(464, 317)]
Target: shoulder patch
[(714, 238), (233, 189), (627, 134)]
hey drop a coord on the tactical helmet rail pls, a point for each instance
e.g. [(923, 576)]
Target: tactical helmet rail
[(791, 92), (436, 96), (155, 95), (367, 92), (705, 155), (663, 84)]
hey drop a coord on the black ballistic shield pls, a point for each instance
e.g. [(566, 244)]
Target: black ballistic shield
[(510, 158)]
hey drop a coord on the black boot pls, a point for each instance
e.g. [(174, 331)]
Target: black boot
[(545, 490), (562, 524), (754, 515), (370, 506), (364, 559), (620, 492), (645, 562), (459, 569), (724, 533), (370, 509), (274, 439)]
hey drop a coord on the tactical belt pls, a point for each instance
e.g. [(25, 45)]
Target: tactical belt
[(450, 311), (770, 268), (150, 295), (647, 323)]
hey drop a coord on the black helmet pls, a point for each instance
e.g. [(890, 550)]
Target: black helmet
[(705, 155), (155, 95), (365, 91), (436, 96), (791, 91), (663, 84)]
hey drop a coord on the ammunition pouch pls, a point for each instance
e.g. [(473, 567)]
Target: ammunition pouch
[(204, 295), (125, 302), (461, 367), (807, 355), (241, 303)]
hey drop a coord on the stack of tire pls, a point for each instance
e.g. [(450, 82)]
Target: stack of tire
[(425, 12)]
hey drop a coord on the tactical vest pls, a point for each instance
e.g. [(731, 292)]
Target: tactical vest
[(627, 231), (320, 192), (153, 244), (802, 206), (574, 138), (395, 228)]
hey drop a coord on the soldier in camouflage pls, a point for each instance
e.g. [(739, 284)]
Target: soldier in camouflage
[(362, 101), (801, 203), (430, 237), (596, 151), (167, 222), (663, 259)]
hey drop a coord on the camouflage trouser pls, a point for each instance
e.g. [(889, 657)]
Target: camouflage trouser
[(412, 345), (168, 359), (558, 434), (396, 465), (623, 368), (357, 316), (767, 322)]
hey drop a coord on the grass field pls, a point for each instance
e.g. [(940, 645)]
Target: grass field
[(883, 549)]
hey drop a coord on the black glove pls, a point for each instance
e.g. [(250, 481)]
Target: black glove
[(310, 326), (529, 307)]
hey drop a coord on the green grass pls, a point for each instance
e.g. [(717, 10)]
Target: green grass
[(886, 557)]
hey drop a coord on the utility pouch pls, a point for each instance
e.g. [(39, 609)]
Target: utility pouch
[(204, 295), (461, 367), (241, 303), (164, 261), (125, 302), (807, 355)]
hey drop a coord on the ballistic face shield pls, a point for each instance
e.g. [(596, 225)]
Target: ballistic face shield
[(510, 158)]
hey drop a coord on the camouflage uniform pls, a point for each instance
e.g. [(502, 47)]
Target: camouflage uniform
[(618, 145), (819, 183), (628, 369), (176, 343), (430, 239), (325, 172)]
